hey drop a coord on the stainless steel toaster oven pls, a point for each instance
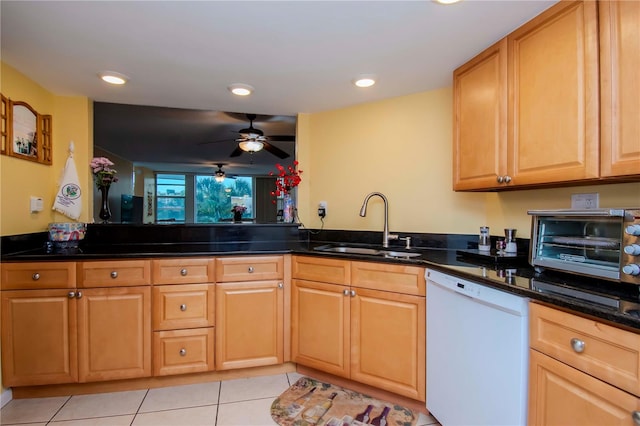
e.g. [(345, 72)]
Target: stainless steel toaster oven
[(602, 243)]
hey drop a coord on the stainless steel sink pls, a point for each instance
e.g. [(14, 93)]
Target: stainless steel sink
[(350, 250), (368, 251), (399, 254)]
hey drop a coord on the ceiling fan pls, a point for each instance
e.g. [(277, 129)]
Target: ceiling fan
[(252, 140), (220, 175)]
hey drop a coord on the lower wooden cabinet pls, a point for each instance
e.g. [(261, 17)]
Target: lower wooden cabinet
[(581, 371), (39, 337), (114, 333), (562, 395), (370, 336), (249, 324)]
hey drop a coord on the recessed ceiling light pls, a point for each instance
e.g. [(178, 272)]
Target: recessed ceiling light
[(240, 89), (364, 81), (113, 77)]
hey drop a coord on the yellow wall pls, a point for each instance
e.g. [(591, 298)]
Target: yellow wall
[(402, 147), (19, 179)]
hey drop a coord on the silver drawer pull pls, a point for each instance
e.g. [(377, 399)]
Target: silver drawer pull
[(183, 352), (183, 272), (353, 293), (250, 269), (183, 307), (35, 276), (577, 345), (114, 274), (72, 294), (345, 292), (280, 285), (636, 417), (78, 295)]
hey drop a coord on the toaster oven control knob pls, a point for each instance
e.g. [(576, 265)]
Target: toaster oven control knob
[(633, 229), (631, 269), (632, 250)]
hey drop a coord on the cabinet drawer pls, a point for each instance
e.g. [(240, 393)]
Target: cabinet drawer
[(249, 268), (609, 353), (396, 278), (36, 275), (183, 271), (335, 271), (183, 351), (183, 306), (116, 273)]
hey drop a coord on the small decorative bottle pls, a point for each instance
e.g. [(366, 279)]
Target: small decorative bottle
[(297, 406), (314, 414), (381, 420), (365, 415)]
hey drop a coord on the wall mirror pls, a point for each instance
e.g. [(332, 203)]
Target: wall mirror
[(186, 166)]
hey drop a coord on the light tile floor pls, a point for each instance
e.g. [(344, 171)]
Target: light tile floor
[(241, 402)]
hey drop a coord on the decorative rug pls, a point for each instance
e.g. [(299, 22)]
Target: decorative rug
[(312, 402)]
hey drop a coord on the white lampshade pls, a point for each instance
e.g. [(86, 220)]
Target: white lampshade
[(251, 146)]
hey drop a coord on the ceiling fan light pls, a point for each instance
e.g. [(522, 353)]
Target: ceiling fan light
[(251, 146), (113, 77), (241, 89), (364, 81), (219, 178)]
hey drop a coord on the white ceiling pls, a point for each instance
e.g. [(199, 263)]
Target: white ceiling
[(300, 56)]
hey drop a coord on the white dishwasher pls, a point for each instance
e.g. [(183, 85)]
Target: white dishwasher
[(477, 353)]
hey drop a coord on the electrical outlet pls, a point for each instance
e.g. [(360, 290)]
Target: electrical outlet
[(322, 209), (585, 201)]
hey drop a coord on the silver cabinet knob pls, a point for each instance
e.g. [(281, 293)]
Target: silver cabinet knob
[(345, 292), (183, 272), (114, 274), (636, 417), (72, 294), (577, 345), (183, 352), (78, 295), (35, 276), (183, 307), (353, 293), (500, 179), (280, 285), (250, 269), (507, 179)]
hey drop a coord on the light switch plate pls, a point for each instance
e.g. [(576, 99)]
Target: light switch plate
[(585, 201), (36, 204)]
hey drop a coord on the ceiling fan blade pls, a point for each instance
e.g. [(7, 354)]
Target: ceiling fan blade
[(274, 150), (282, 138), (236, 152)]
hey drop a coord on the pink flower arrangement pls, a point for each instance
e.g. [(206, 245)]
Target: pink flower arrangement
[(103, 174), (239, 209), (288, 178)]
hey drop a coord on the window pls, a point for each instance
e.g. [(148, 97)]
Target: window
[(171, 193), (214, 200)]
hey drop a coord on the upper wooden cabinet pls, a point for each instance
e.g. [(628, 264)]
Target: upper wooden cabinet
[(480, 119), (620, 87), (550, 133)]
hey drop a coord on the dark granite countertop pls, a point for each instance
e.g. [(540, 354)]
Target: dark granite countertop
[(511, 275)]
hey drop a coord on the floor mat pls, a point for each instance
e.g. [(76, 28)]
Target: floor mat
[(312, 402)]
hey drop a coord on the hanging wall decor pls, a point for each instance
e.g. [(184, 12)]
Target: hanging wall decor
[(24, 133)]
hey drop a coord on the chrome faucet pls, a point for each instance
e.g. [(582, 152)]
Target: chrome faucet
[(385, 233)]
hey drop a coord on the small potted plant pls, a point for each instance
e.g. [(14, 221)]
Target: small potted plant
[(238, 211)]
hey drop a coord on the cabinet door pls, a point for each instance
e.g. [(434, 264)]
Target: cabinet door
[(114, 333), (249, 268), (114, 273), (249, 324), (480, 120), (388, 341), (553, 117), (183, 306), (37, 275), (39, 343), (320, 333), (562, 395), (183, 270), (620, 87)]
